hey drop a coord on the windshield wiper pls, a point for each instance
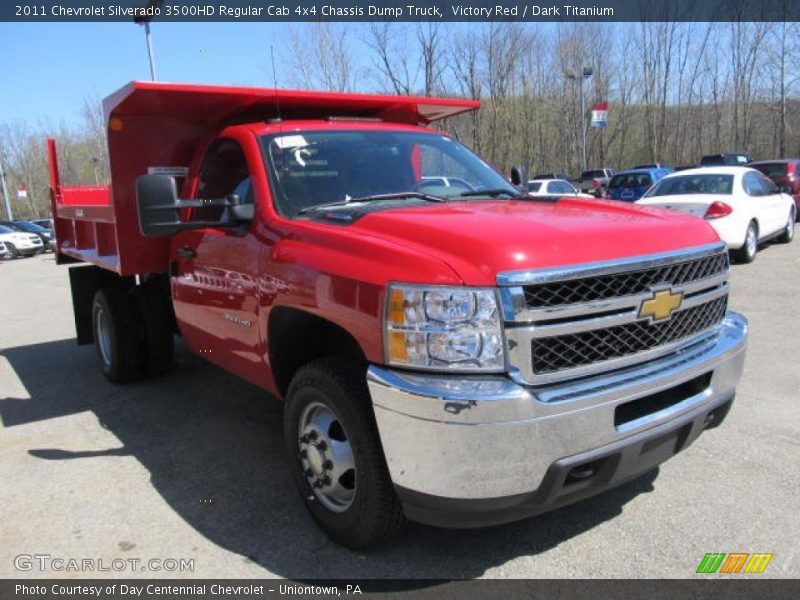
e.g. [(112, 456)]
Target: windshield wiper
[(492, 193), (373, 198)]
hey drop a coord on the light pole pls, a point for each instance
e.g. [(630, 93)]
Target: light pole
[(95, 160), (152, 9), (586, 72), (5, 191)]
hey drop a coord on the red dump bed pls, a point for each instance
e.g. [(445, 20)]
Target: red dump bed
[(156, 125)]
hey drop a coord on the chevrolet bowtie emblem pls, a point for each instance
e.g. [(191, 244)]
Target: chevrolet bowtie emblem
[(661, 305)]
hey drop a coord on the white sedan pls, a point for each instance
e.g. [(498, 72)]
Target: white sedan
[(741, 204), (554, 187)]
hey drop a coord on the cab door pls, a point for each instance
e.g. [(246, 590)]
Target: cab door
[(215, 270)]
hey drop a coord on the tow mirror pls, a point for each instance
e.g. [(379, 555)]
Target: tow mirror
[(160, 208), (519, 175)]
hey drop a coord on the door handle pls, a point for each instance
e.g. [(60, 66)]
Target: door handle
[(186, 252)]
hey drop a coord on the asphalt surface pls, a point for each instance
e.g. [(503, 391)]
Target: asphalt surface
[(191, 466)]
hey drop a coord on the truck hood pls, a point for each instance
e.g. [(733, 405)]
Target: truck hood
[(479, 239)]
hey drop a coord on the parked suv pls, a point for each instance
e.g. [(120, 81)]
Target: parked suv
[(631, 185), (785, 173), (46, 223), (595, 181), (46, 235), (19, 243)]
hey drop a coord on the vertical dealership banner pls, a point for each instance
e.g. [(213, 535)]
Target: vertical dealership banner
[(600, 114)]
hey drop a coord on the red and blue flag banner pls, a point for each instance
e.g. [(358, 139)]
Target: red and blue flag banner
[(600, 114)]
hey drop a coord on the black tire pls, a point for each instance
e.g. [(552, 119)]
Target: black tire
[(12, 251), (114, 321), (747, 253), (374, 513), (788, 233), (156, 330)]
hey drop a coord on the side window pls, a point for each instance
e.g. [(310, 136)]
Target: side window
[(768, 185), (222, 172), (560, 187), (752, 186)]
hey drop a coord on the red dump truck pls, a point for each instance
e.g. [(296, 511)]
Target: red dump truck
[(449, 351)]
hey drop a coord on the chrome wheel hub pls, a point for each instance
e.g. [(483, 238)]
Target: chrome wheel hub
[(751, 241), (103, 333), (327, 457)]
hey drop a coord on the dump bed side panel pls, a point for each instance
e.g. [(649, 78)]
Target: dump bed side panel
[(83, 219)]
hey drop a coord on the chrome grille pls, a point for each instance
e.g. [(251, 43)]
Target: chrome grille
[(623, 284), (556, 353), (582, 320)]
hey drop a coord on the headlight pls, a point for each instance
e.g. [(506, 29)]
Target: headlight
[(444, 328)]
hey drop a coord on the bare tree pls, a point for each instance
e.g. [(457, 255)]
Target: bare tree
[(321, 58), (392, 61)]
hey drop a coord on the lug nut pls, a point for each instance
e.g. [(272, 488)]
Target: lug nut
[(312, 435), (326, 480), (322, 445), (303, 453), (328, 465), (318, 484), (304, 439), (309, 473)]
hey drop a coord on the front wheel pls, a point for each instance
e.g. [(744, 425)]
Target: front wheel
[(747, 253), (12, 251), (788, 232), (336, 455)]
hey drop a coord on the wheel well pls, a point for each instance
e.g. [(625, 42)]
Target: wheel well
[(297, 337), (84, 282)]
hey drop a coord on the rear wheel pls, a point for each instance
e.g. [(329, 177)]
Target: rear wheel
[(115, 335), (747, 253), (788, 232), (336, 456), (12, 251)]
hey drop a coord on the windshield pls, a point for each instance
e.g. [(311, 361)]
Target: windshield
[(328, 167), (630, 180), (693, 184)]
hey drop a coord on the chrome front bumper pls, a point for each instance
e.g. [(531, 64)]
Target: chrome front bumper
[(473, 438)]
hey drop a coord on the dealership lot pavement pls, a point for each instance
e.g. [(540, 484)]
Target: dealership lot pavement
[(190, 466)]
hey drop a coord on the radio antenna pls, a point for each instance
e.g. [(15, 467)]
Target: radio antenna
[(275, 81)]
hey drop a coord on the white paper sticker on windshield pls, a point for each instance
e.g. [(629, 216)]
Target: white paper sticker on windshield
[(171, 171), (291, 141)]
